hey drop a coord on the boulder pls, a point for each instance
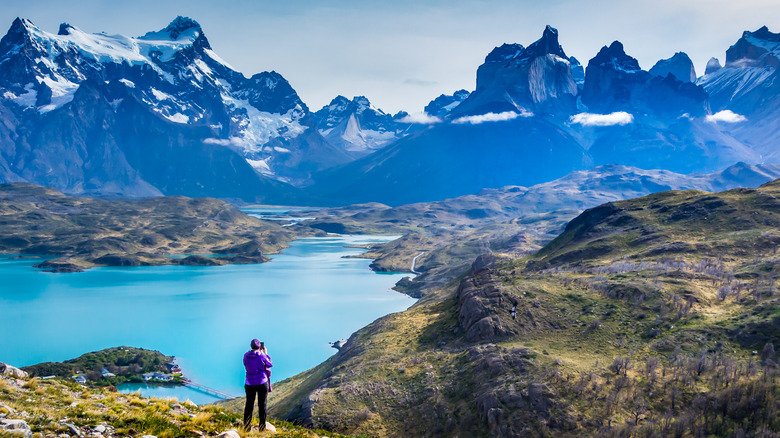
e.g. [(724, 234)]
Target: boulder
[(16, 427), (230, 433), (11, 371), (270, 427), (75, 431)]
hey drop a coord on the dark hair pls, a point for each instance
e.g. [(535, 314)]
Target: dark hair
[(255, 344)]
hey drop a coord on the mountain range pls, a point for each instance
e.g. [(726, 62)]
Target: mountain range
[(163, 114)]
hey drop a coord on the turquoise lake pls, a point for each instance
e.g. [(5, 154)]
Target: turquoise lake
[(305, 297)]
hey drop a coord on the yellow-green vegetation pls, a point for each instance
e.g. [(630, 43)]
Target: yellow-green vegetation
[(53, 407), (85, 232), (657, 316), (127, 363)]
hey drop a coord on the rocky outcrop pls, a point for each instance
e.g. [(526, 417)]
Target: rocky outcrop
[(482, 306), (15, 427), (12, 371)]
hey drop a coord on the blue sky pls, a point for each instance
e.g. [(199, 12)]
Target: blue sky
[(403, 53)]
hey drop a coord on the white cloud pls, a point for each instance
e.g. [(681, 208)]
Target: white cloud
[(589, 119), (219, 141), (420, 119), (726, 116), (492, 117)]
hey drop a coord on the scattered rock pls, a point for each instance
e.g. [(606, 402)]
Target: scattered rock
[(148, 436), (100, 428), (16, 426), (11, 371), (270, 427), (230, 433), (5, 409), (72, 428)]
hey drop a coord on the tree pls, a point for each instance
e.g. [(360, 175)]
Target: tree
[(768, 353), (724, 292)]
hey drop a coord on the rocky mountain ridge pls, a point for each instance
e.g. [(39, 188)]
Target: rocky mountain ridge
[(107, 103), (532, 104)]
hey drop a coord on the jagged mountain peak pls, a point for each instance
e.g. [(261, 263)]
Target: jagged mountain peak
[(760, 48), (680, 66), (763, 33), (445, 103), (357, 126), (65, 29), (713, 65), (177, 28), (615, 56), (547, 44), (504, 52), (20, 25)]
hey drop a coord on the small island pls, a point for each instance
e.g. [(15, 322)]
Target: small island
[(113, 367)]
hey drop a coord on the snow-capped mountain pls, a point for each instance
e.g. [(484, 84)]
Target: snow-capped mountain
[(745, 91), (650, 121), (357, 126), (533, 79), (170, 79), (505, 132), (533, 117), (445, 103)]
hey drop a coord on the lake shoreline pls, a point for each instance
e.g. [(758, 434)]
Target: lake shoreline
[(184, 317)]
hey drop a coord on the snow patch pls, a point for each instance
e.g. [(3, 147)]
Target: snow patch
[(260, 166), (159, 95), (216, 57), (62, 91), (128, 84), (589, 119), (256, 128), (178, 118), (27, 99), (726, 116), (492, 117)]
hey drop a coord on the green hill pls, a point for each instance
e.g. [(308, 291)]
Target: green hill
[(656, 316), (85, 232)]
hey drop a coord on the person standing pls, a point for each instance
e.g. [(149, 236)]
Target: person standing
[(257, 364)]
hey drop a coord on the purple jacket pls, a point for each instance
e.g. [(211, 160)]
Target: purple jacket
[(257, 367)]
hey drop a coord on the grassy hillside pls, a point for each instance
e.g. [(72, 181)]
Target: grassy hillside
[(55, 407), (85, 232), (648, 317)]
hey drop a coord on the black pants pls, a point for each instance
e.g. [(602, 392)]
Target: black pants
[(252, 391)]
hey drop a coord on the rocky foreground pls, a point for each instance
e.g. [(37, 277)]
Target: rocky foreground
[(30, 407)]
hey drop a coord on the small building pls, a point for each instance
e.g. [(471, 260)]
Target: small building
[(161, 377), (107, 374), (80, 379), (172, 367)]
